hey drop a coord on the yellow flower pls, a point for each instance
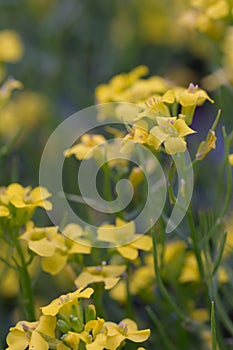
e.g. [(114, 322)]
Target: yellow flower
[(87, 148), (25, 197), (138, 134), (126, 329), (191, 98), (118, 84), (124, 238), (94, 334), (109, 274), (71, 243), (56, 305), (158, 104), (55, 248), (27, 110), (11, 47), (31, 334), (206, 146), (42, 240), (171, 131)]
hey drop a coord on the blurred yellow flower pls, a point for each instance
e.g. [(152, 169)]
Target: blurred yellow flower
[(108, 274), (25, 111), (190, 271), (87, 148), (25, 197), (11, 46), (136, 176), (124, 238), (113, 91), (55, 248)]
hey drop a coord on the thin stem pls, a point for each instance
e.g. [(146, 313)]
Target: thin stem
[(229, 176), (159, 327), (129, 297), (195, 243), (25, 285), (213, 328), (162, 287)]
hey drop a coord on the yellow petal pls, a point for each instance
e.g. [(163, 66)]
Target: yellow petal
[(206, 146), (183, 128), (158, 134), (128, 252), (53, 308), (169, 96), (39, 193), (4, 211), (43, 247), (175, 145), (143, 243), (113, 270), (86, 278), (110, 282), (54, 264), (37, 342), (78, 248), (153, 141), (47, 325), (44, 204), (139, 336), (188, 99), (73, 231), (17, 340)]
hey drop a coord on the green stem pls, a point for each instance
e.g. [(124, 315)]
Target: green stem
[(195, 243), (213, 327), (129, 305), (159, 327), (161, 285), (229, 176), (25, 285)]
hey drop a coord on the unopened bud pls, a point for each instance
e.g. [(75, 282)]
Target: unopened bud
[(76, 323), (90, 313), (63, 326)]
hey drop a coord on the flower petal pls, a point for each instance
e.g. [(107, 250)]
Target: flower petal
[(175, 145), (128, 252)]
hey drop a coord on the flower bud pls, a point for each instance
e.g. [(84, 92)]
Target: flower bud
[(90, 313)]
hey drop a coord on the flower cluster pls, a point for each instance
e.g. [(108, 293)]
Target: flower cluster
[(66, 324)]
